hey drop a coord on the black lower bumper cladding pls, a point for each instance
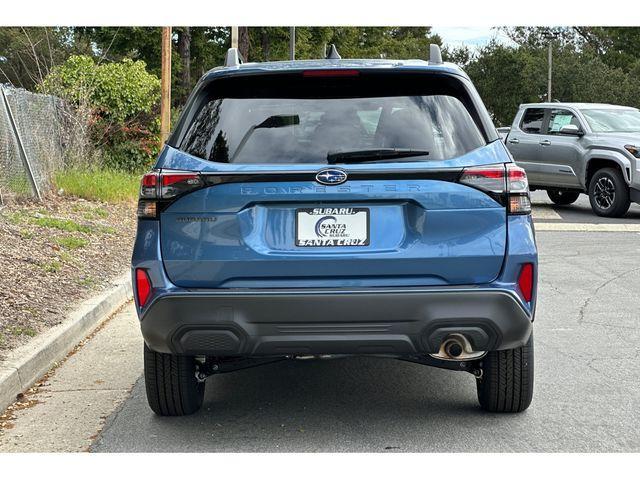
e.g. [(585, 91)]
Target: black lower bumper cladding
[(303, 322)]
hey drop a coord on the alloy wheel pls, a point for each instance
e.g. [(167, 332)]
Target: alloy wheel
[(604, 192)]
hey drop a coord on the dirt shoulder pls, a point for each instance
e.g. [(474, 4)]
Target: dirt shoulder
[(55, 254)]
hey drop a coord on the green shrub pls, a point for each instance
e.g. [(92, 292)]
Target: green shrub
[(122, 98), (117, 91), (128, 155)]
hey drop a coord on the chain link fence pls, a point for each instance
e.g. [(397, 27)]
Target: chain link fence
[(39, 134)]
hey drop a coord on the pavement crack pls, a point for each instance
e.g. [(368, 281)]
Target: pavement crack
[(587, 300)]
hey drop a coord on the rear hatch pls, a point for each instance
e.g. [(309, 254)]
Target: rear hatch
[(334, 180)]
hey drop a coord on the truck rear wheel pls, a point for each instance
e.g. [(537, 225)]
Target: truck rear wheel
[(609, 193), (506, 385), (172, 388), (560, 196)]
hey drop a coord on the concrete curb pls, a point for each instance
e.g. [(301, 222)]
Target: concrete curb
[(24, 366)]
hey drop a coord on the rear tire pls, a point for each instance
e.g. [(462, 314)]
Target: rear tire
[(609, 193), (561, 196), (506, 385), (172, 388)]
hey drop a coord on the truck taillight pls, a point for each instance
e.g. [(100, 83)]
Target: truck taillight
[(501, 182), (159, 188)]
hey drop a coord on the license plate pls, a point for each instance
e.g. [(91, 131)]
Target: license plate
[(332, 227)]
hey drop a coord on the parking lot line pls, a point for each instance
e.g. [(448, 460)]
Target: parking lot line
[(587, 227), (545, 212)]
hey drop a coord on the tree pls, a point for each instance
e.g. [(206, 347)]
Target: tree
[(272, 43), (207, 46), (506, 77), (27, 54), (244, 43), (184, 49)]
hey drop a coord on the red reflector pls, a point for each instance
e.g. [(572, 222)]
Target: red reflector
[(171, 178), (330, 73), (143, 286), (525, 281)]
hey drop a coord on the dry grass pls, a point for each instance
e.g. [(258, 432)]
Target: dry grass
[(55, 254)]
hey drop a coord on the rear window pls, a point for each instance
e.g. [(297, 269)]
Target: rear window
[(316, 117)]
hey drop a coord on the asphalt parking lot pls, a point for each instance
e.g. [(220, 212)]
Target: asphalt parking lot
[(587, 397), (579, 212)]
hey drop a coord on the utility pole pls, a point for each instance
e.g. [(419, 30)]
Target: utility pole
[(234, 37), (292, 43), (550, 71), (165, 86)]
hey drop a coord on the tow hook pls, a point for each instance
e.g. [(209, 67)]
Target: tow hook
[(200, 377)]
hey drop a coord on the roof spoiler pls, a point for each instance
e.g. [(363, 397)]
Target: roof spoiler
[(435, 54), (233, 58)]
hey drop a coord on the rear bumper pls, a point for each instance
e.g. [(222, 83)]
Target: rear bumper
[(360, 321)]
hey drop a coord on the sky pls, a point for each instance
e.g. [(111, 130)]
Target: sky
[(473, 37)]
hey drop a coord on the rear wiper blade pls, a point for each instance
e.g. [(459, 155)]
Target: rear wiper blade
[(373, 155)]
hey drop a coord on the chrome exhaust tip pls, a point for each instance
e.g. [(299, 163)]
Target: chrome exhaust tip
[(456, 347), (453, 348)]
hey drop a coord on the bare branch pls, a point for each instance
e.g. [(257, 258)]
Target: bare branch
[(35, 55), (6, 76), (18, 77), (46, 32), (26, 69), (109, 47)]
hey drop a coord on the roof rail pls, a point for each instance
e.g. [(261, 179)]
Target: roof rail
[(233, 58), (333, 53), (435, 54)]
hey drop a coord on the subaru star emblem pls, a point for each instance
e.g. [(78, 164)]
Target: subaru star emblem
[(331, 176)]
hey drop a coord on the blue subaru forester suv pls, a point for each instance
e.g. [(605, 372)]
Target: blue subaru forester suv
[(309, 209)]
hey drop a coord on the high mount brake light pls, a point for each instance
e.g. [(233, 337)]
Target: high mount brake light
[(502, 182), (330, 73), (163, 187)]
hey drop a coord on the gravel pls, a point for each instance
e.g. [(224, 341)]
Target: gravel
[(54, 255)]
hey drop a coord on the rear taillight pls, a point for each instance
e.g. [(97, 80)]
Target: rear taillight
[(518, 190), (158, 189), (506, 183), (488, 179), (525, 281), (143, 287)]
